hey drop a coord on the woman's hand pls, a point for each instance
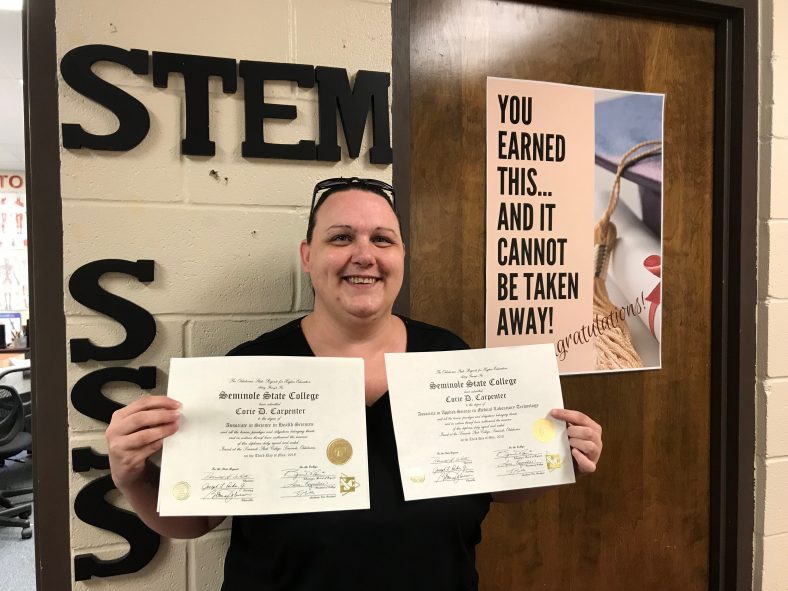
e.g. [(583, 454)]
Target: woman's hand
[(135, 433), (585, 438)]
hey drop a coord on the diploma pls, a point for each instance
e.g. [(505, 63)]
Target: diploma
[(265, 435), (477, 421)]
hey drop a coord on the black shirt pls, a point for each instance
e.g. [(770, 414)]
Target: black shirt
[(425, 545)]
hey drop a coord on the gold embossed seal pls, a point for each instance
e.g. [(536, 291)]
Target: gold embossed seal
[(417, 476), (181, 491), (339, 451), (543, 430)]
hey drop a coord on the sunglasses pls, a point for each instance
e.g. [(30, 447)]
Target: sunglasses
[(324, 188)]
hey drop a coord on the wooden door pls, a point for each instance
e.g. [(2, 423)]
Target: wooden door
[(642, 521)]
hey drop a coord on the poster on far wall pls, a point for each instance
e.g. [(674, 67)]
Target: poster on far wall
[(14, 292), (574, 223)]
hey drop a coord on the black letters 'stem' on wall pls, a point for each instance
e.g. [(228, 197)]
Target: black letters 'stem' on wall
[(369, 93)]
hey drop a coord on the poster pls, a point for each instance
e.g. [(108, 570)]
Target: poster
[(14, 295), (574, 223)]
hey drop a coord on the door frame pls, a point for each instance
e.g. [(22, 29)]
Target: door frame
[(734, 276), (47, 319)]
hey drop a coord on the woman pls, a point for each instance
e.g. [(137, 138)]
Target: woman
[(354, 255)]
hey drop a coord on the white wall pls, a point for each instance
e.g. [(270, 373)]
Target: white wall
[(226, 248), (771, 461)]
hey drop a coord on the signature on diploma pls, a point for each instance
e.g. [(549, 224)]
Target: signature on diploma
[(519, 462), (308, 482), (452, 469), (226, 487)]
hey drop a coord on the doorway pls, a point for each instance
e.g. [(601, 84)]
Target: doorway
[(17, 549), (663, 512)]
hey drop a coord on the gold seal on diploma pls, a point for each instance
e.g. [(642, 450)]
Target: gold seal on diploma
[(417, 476), (339, 451), (347, 484), (181, 491), (543, 430), (553, 461)]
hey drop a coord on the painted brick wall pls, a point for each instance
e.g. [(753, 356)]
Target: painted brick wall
[(225, 243), (771, 461)]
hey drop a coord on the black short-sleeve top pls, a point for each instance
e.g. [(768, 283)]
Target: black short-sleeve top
[(425, 545)]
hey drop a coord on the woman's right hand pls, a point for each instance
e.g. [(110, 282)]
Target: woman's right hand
[(135, 433)]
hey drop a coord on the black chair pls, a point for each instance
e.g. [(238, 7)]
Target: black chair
[(13, 440), (24, 394)]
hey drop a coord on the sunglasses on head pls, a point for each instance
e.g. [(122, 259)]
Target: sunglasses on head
[(328, 186)]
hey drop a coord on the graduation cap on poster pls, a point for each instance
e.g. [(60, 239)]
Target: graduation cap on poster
[(625, 122)]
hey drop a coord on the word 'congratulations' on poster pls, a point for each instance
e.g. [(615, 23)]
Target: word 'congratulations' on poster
[(554, 153)]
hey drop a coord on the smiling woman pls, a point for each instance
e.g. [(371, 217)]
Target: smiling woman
[(354, 255)]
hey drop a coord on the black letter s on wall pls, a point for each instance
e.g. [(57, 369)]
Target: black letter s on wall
[(131, 113), (92, 508), (90, 504), (139, 324)]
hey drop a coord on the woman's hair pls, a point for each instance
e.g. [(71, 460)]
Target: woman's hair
[(358, 186)]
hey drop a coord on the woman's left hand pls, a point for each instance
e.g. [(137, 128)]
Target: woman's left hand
[(585, 438)]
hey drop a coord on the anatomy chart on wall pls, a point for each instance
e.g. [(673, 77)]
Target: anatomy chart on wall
[(574, 223), (13, 244)]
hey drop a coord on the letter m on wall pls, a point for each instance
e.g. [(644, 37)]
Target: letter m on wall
[(370, 92)]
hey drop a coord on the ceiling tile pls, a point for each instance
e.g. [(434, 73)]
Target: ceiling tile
[(11, 113), (10, 44), (11, 105)]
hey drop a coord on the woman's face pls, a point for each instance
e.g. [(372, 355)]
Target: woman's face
[(356, 258)]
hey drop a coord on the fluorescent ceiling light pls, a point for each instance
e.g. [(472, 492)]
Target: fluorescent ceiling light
[(11, 4)]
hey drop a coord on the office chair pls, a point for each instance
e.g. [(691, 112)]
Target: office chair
[(13, 440), (25, 395)]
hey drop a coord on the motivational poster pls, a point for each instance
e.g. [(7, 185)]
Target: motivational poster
[(574, 223)]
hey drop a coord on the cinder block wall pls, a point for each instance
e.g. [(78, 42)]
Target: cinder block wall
[(771, 461), (223, 231)]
